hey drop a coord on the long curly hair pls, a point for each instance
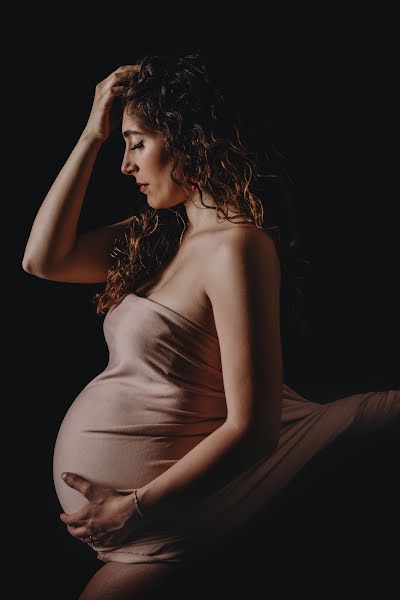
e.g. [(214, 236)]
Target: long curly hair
[(209, 145)]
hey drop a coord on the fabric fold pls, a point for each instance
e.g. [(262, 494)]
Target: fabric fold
[(160, 395)]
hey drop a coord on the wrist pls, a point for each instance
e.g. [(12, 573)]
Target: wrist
[(91, 138), (151, 512), (151, 509), (137, 498)]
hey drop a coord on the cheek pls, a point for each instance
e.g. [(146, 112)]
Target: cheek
[(166, 165)]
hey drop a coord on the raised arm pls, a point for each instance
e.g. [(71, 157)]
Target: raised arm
[(53, 250)]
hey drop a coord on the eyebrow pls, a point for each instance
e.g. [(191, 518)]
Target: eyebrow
[(128, 131)]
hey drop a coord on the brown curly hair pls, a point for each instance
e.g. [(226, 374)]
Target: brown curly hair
[(210, 146)]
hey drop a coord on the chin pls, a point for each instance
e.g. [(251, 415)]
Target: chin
[(162, 204)]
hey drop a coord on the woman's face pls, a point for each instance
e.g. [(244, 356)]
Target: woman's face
[(145, 159)]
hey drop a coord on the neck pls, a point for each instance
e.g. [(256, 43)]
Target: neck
[(202, 217)]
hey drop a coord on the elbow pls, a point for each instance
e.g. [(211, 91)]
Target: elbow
[(259, 443), (26, 266), (29, 267)]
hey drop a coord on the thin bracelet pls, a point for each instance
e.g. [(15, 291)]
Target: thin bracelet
[(137, 503)]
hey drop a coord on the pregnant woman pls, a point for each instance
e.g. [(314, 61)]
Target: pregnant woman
[(190, 429)]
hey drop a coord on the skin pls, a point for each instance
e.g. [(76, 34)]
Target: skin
[(110, 516), (119, 581), (145, 159)]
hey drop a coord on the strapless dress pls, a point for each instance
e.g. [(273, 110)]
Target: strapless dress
[(161, 394)]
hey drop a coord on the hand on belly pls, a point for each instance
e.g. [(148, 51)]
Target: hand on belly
[(108, 516)]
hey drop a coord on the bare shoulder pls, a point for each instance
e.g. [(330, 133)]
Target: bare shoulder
[(237, 236), (249, 246), (242, 283), (240, 236)]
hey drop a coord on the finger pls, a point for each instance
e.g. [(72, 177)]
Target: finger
[(120, 77), (79, 532), (74, 519), (118, 81), (127, 69), (118, 90), (83, 534), (135, 67), (95, 542), (78, 483), (70, 520), (84, 529)]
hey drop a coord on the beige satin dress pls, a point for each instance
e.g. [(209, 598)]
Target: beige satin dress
[(161, 394)]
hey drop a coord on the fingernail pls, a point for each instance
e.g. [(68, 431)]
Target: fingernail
[(64, 475)]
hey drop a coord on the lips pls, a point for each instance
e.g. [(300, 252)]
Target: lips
[(143, 187)]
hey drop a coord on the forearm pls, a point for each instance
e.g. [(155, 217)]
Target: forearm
[(54, 230), (215, 461)]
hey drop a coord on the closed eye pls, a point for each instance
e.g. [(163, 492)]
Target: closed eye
[(137, 146)]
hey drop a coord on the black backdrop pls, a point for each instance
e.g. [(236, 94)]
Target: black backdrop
[(325, 82)]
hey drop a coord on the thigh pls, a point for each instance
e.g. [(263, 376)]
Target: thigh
[(120, 581)]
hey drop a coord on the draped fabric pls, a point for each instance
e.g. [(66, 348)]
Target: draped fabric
[(161, 394)]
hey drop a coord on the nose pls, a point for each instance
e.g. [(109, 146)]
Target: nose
[(127, 167)]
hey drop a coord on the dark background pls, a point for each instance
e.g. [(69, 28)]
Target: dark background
[(325, 82)]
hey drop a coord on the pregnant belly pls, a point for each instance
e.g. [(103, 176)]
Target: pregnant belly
[(100, 441)]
